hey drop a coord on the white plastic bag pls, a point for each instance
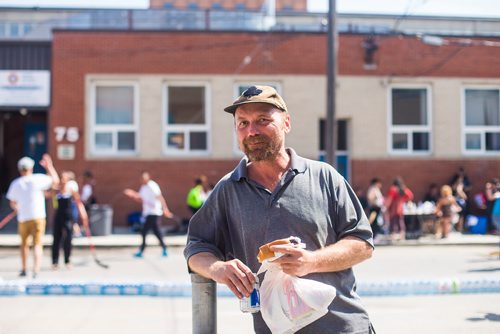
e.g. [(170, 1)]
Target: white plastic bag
[(289, 303)]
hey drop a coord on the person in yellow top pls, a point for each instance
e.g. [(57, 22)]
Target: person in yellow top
[(197, 195)]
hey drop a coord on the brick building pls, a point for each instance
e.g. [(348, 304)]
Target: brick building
[(123, 102), (121, 91)]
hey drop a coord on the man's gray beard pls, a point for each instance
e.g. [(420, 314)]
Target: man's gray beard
[(267, 153)]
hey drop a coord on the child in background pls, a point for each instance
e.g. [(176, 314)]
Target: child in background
[(446, 207)]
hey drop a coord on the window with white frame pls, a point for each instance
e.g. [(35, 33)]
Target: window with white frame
[(114, 118), (186, 119), (482, 120), (409, 130), (239, 89)]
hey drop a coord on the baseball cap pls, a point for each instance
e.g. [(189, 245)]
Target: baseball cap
[(25, 163), (258, 94)]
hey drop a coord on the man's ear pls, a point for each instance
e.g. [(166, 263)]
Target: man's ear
[(287, 125)]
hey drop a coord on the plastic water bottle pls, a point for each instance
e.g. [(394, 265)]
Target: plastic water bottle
[(251, 304)]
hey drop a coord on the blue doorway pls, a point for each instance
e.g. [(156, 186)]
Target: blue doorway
[(35, 143)]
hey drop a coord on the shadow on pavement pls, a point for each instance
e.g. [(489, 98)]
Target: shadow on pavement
[(487, 316)]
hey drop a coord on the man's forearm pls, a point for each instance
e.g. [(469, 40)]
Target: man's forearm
[(233, 273), (342, 255), (13, 205), (51, 171), (201, 263)]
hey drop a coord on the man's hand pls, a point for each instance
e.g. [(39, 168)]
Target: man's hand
[(343, 254), (295, 261), (46, 161), (130, 193), (235, 274), (167, 213)]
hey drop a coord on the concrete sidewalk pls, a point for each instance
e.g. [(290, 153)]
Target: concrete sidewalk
[(108, 241), (134, 240)]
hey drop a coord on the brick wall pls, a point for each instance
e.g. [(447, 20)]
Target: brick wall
[(418, 174), (408, 56), (77, 53), (284, 53), (175, 178)]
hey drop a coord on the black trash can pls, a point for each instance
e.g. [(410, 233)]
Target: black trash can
[(100, 219)]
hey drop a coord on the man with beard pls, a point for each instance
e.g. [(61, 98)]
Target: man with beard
[(272, 194)]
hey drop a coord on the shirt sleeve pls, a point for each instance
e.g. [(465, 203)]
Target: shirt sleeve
[(207, 228), (155, 188), (72, 187), (12, 192), (42, 181), (86, 192), (409, 194), (351, 218)]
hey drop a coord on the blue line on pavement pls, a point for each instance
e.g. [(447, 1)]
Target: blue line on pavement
[(170, 289)]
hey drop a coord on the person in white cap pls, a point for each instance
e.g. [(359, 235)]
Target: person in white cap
[(26, 196)]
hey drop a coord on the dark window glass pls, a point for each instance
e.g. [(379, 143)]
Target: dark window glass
[(186, 105), (420, 141), (492, 141), (399, 141), (198, 140), (409, 107), (341, 135), (126, 141), (322, 134)]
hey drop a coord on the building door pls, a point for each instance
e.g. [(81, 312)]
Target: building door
[(342, 164), (20, 135), (35, 143)]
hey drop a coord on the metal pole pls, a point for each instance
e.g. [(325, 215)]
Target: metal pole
[(330, 133), (269, 14), (204, 300)]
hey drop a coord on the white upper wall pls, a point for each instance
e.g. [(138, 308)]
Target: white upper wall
[(362, 101)]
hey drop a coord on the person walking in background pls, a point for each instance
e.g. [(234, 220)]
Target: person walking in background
[(197, 195), (461, 180), (272, 194), (26, 196), (491, 188), (396, 198), (67, 198), (375, 200), (461, 198), (88, 192), (88, 199), (432, 194), (153, 207), (465, 179), (446, 207)]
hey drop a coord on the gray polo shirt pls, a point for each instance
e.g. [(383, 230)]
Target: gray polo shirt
[(313, 202)]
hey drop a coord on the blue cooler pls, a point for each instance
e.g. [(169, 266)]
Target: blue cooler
[(477, 224)]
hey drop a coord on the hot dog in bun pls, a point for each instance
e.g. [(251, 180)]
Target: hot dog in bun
[(266, 253)]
